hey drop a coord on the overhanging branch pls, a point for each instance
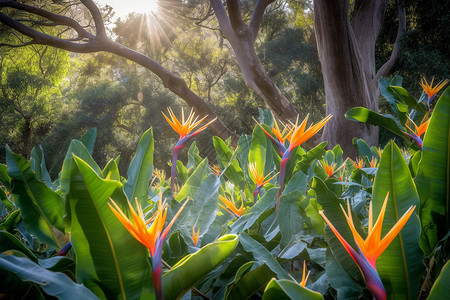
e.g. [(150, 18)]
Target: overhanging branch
[(387, 66)]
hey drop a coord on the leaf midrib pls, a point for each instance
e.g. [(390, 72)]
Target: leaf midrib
[(116, 263), (400, 238)]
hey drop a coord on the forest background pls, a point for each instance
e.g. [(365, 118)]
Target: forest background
[(50, 96)]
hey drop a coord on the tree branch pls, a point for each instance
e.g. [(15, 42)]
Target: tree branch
[(222, 17), (57, 19), (97, 16), (387, 66), (234, 12), (257, 16)]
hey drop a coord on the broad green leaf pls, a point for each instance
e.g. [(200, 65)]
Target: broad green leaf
[(413, 164), (331, 206), (76, 148), (243, 150), (10, 242), (194, 158), (42, 208), (441, 288), (261, 152), (340, 280), (182, 173), (229, 164), (317, 222), (193, 183), (4, 177), (298, 182), (433, 177), (264, 204), (364, 149), (365, 115), (402, 96), (203, 210), (88, 139), (110, 262), (38, 166), (54, 284), (260, 253), (9, 221), (401, 263), (310, 156), (384, 83), (194, 267), (140, 170), (250, 283), (289, 218), (288, 290), (111, 171)]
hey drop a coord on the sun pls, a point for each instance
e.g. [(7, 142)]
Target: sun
[(146, 6)]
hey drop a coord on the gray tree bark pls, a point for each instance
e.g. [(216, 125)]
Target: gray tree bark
[(347, 56)]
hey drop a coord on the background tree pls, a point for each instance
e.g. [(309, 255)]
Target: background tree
[(346, 37), (30, 94)]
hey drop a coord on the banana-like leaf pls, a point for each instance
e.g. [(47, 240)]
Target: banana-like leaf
[(441, 288), (365, 115), (38, 165), (10, 220), (111, 171), (229, 163), (261, 152), (289, 218), (249, 283), (310, 156), (288, 290), (10, 242), (402, 96), (194, 182), (194, 159), (42, 208), (433, 176), (263, 205), (260, 253), (4, 177), (331, 206), (203, 210), (192, 268), (75, 148), (340, 280), (88, 139), (54, 284), (140, 170), (110, 262), (413, 164), (400, 265), (384, 83)]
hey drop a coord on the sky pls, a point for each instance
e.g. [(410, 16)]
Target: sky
[(123, 7)]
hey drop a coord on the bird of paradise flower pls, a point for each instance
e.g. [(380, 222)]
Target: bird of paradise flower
[(431, 90), (418, 130), (230, 206), (259, 179), (152, 237), (372, 247), (184, 129), (297, 136)]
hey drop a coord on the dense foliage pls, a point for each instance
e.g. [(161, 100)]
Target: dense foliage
[(243, 247)]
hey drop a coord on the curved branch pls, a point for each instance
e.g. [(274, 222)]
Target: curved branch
[(57, 19), (257, 16), (234, 12), (222, 17), (387, 66), (97, 16)]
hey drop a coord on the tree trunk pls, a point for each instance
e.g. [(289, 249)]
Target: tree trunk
[(347, 56), (242, 39)]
